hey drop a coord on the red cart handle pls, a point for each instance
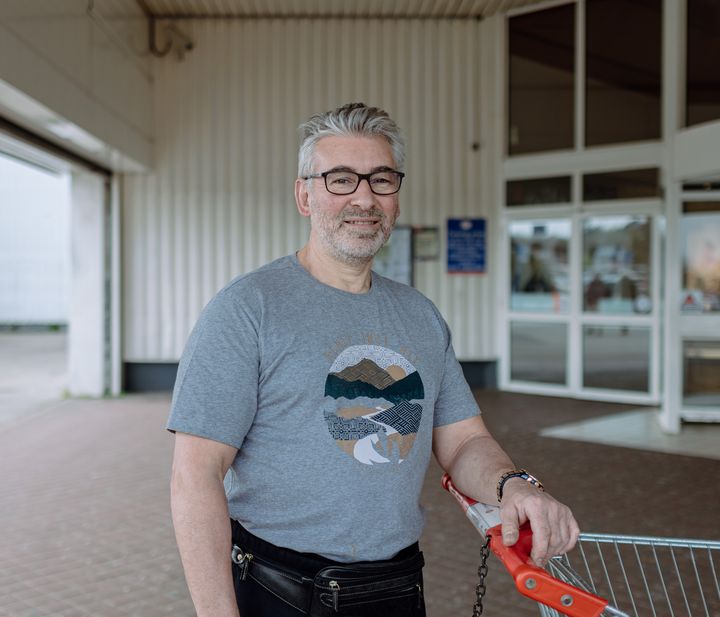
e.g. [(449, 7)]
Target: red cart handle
[(531, 581)]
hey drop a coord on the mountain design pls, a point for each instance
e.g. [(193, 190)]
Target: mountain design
[(408, 388), (368, 429), (368, 372)]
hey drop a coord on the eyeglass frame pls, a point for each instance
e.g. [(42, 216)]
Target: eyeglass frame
[(361, 177)]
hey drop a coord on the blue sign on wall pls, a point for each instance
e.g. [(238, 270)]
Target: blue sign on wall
[(466, 246)]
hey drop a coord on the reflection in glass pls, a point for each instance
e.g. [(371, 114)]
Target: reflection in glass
[(703, 51), (539, 265), (541, 80), (616, 358), (538, 191), (623, 70), (616, 264), (701, 373), (627, 184), (538, 352), (701, 262)]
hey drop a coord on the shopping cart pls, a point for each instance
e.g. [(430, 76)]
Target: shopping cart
[(607, 575)]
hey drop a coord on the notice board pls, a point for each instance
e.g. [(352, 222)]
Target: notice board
[(466, 244)]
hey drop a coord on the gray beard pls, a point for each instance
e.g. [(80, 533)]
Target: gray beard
[(345, 248)]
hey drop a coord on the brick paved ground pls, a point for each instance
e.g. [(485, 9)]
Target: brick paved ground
[(85, 526)]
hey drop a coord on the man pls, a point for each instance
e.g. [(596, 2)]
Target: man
[(308, 400)]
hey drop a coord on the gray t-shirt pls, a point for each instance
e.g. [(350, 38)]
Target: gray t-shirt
[(331, 398)]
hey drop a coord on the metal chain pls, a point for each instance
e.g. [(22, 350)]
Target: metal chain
[(482, 574)]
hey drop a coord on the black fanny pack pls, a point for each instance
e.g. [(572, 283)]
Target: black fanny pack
[(370, 589), (363, 589)]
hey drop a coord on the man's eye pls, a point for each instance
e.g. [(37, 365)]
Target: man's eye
[(342, 180), (380, 180)]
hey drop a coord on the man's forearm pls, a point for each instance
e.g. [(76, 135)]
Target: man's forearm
[(477, 467), (202, 529)]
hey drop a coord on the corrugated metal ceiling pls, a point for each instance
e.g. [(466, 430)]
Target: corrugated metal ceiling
[(326, 8)]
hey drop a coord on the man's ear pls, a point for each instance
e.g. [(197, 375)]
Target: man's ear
[(301, 197)]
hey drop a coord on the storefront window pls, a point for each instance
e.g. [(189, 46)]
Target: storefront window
[(539, 266), (556, 190), (541, 80), (626, 184), (616, 265), (701, 374), (623, 70), (538, 352), (701, 258), (703, 70), (616, 358)]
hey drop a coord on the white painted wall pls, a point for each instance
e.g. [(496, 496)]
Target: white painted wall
[(93, 72), (34, 244), (219, 201)]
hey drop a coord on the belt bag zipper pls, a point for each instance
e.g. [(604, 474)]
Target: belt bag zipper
[(361, 590)]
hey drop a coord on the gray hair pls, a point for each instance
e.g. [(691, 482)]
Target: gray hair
[(352, 119)]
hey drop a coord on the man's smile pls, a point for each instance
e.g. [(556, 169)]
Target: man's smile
[(362, 222)]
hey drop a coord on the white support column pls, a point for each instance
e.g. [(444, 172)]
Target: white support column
[(86, 339), (673, 62), (115, 302)]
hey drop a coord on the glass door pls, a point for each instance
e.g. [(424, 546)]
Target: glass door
[(539, 302), (617, 304), (582, 296), (700, 310)]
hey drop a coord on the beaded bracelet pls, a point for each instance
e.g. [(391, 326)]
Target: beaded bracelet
[(517, 473)]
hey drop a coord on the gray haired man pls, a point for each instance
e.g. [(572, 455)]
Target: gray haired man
[(309, 399)]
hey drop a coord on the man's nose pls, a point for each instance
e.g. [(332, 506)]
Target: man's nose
[(363, 195)]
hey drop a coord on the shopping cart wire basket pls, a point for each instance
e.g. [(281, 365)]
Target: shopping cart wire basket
[(608, 575)]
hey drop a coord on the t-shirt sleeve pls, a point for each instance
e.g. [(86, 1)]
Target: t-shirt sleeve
[(215, 393), (455, 400)]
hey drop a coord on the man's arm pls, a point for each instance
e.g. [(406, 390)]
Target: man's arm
[(202, 524), (475, 461)]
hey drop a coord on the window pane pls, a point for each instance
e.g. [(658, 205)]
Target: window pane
[(701, 369), (538, 352), (538, 191), (707, 185), (703, 69), (622, 64), (616, 264), (701, 206), (616, 358), (541, 81), (539, 266), (701, 262), (627, 184)]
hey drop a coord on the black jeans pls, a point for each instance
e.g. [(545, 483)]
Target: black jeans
[(255, 601)]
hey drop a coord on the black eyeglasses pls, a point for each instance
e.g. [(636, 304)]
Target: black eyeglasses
[(342, 182)]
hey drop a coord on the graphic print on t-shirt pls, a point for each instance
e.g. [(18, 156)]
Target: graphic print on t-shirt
[(370, 411)]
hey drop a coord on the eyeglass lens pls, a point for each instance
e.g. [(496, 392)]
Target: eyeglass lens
[(346, 182)]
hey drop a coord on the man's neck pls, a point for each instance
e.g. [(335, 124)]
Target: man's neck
[(355, 278)]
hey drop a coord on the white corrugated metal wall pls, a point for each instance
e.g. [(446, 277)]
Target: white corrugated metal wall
[(219, 202)]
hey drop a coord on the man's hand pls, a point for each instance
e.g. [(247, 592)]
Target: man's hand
[(475, 461), (554, 528)]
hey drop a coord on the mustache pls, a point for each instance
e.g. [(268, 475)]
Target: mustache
[(359, 213)]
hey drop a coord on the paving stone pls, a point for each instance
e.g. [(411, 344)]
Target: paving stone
[(86, 528)]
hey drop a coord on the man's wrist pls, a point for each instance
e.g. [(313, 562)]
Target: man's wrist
[(519, 474)]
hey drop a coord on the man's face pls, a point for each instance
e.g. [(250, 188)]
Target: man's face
[(349, 228)]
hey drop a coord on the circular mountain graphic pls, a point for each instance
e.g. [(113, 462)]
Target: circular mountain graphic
[(371, 414)]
